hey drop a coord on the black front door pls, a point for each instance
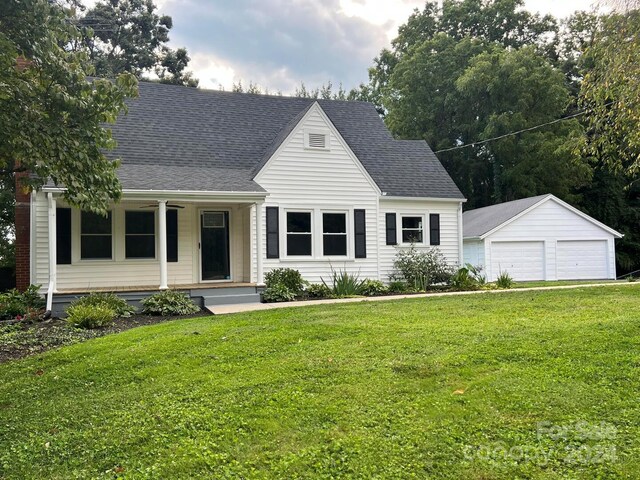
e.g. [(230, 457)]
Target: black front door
[(214, 245)]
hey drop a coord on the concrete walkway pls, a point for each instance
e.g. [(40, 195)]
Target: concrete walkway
[(250, 307)]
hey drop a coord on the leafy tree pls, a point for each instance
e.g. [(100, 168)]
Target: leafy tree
[(52, 118), (7, 219), (172, 68), (611, 92), (503, 22), (130, 36), (505, 91)]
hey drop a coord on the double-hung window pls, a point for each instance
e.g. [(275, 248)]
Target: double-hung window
[(95, 236), (140, 234), (299, 236), (412, 229), (334, 234)]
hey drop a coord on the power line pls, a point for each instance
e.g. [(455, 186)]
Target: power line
[(481, 142)]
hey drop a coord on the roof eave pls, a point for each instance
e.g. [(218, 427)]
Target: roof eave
[(430, 199)]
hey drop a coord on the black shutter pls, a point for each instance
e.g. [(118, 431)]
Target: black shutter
[(392, 237), (273, 232), (63, 236), (172, 235), (434, 228), (360, 230)]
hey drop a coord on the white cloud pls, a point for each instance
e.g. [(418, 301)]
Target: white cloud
[(211, 71)]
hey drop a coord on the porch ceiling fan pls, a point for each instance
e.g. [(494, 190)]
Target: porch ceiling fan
[(168, 206)]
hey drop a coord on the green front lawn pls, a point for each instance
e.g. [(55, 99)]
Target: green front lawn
[(419, 388)]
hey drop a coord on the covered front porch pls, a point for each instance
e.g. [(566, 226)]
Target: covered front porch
[(150, 241)]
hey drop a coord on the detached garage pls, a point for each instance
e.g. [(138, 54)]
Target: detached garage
[(539, 238)]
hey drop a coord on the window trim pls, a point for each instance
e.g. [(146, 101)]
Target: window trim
[(112, 211), (285, 233), (347, 218), (155, 235), (400, 229)]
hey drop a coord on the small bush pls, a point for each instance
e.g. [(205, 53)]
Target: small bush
[(110, 300), (169, 302), (14, 304), (318, 290), (287, 277), (422, 268), (278, 293), (504, 280), (371, 288), (90, 316), (468, 277), (344, 284), (399, 286)]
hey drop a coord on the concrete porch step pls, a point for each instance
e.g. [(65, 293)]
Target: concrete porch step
[(223, 291), (242, 298)]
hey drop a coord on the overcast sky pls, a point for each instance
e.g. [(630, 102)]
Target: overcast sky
[(279, 43)]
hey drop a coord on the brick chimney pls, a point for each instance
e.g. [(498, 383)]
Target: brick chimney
[(23, 233)]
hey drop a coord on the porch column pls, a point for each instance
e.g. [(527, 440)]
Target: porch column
[(162, 244), (51, 215), (259, 273)]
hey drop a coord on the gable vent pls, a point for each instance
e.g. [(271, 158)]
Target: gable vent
[(317, 140)]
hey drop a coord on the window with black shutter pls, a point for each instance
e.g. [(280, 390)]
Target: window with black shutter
[(172, 235), (273, 232), (360, 233), (392, 237), (63, 236), (434, 228)]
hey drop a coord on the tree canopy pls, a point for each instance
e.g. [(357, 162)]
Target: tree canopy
[(51, 116), (611, 91), (130, 36), (499, 92)]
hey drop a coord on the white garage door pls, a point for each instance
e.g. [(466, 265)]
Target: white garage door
[(522, 260), (582, 259)]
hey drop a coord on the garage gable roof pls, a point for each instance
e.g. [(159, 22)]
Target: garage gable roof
[(482, 222)]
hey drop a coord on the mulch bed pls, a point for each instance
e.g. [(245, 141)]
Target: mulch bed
[(20, 339)]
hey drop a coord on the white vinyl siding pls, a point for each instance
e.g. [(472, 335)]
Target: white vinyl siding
[(449, 242), (330, 180), (474, 252)]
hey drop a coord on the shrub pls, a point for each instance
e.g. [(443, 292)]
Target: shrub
[(278, 293), (504, 280), (287, 277), (371, 288), (468, 277), (318, 290), (15, 304), (344, 284), (169, 302), (90, 316), (110, 300), (399, 286), (421, 269)]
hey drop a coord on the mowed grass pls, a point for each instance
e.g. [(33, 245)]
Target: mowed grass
[(452, 387)]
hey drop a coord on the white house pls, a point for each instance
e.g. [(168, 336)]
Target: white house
[(539, 238), (220, 187)]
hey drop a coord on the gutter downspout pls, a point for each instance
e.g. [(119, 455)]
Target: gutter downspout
[(460, 237), (52, 251)]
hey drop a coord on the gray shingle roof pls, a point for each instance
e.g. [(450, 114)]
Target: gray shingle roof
[(476, 223), (182, 138)]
